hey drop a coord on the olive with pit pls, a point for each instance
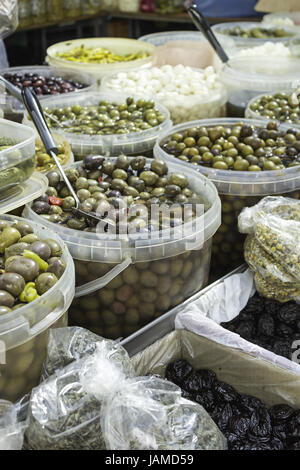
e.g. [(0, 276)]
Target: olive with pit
[(42, 249), (54, 247), (27, 268), (9, 236), (23, 227), (6, 299), (13, 283), (57, 267), (44, 282)]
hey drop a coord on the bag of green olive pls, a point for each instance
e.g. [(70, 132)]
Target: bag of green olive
[(62, 413), (272, 247)]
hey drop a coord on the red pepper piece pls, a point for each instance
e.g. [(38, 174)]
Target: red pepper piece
[(55, 201)]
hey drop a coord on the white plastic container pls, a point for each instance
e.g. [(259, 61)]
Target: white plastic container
[(116, 45), (247, 77), (237, 189), (228, 41), (180, 47), (283, 18), (84, 144), (24, 332), (250, 114), (13, 106), (207, 103), (129, 6), (123, 283), (17, 163)]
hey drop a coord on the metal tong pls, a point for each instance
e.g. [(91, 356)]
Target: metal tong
[(201, 24), (35, 111)]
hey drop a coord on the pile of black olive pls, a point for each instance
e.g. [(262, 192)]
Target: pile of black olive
[(269, 324), (245, 420), (43, 85)]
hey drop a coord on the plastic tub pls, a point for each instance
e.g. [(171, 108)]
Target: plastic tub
[(17, 163), (182, 108), (249, 114), (24, 332), (247, 77), (229, 41), (237, 189), (67, 157), (117, 45), (83, 144), (12, 106), (180, 47), (123, 284)]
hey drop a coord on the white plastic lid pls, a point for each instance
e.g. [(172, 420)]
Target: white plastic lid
[(12, 104), (87, 246), (21, 194), (84, 144), (255, 73), (220, 29), (241, 183), (23, 324)]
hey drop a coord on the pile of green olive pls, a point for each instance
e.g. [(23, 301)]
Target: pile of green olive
[(144, 290), (29, 267), (239, 148), (101, 183), (257, 33), (44, 162), (282, 106), (107, 118)]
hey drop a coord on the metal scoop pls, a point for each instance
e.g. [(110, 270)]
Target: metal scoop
[(35, 111), (201, 24)]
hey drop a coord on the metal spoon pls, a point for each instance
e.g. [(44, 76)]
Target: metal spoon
[(201, 23), (35, 111)]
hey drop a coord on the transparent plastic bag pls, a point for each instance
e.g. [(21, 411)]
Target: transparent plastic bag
[(63, 412), (272, 248), (66, 345), (8, 17), (149, 413), (11, 428)]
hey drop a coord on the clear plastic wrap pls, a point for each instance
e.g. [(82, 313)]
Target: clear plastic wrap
[(149, 413), (63, 412), (8, 17), (272, 248), (11, 428)]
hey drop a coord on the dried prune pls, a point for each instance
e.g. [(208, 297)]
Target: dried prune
[(239, 425), (263, 342), (280, 413), (294, 446), (266, 325), (207, 378), (187, 395), (224, 391), (272, 306), (246, 329), (250, 403), (255, 305), (178, 371), (206, 399), (282, 347), (222, 417), (276, 444), (284, 330), (289, 313), (264, 426), (193, 383)]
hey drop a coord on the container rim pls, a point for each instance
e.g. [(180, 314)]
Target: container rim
[(209, 223), (217, 28), (146, 37), (74, 42), (229, 176), (27, 141)]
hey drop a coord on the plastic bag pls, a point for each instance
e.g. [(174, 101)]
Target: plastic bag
[(63, 413), (66, 345), (11, 427), (149, 413), (272, 248), (8, 17)]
